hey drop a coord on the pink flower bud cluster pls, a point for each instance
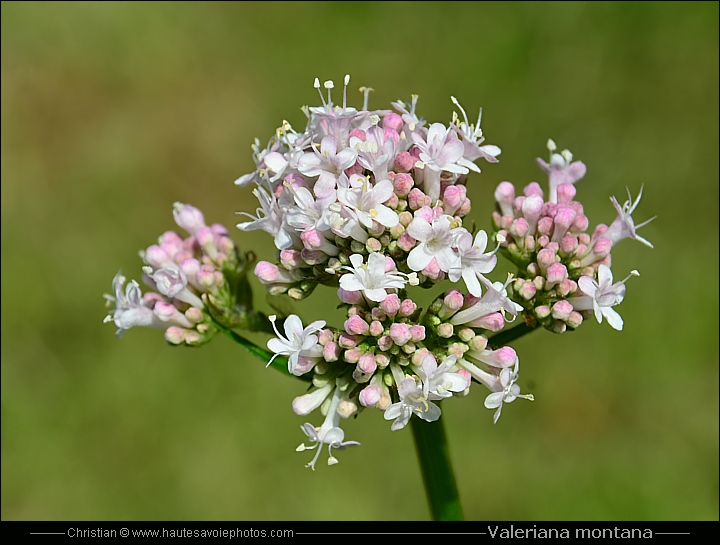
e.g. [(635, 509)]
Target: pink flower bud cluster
[(185, 275), (550, 242)]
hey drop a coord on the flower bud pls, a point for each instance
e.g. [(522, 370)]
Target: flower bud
[(350, 297), (561, 310), (400, 333), (391, 305), (533, 188), (407, 308), (331, 352), (404, 161), (565, 193), (367, 364), (505, 195), (188, 217)]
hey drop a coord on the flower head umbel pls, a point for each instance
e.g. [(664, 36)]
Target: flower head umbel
[(299, 342), (373, 204)]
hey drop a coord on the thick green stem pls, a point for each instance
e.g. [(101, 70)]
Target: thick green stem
[(436, 468)]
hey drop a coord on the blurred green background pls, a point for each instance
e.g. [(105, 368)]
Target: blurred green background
[(113, 111)]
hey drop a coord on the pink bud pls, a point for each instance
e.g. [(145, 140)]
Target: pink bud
[(445, 330), (517, 205), (545, 258), (454, 196), (543, 311), (531, 210), (382, 360), (584, 238), (347, 341), (556, 273), (602, 246), (527, 291), (175, 335), (565, 193), (417, 333), (505, 195), (355, 325), (580, 224), (400, 333), (566, 287), (574, 320), (464, 209), (170, 237), (452, 302), (599, 231), (533, 188), (312, 239), (561, 310), (466, 375), (376, 328), (478, 343), (366, 363), (392, 121), (370, 395), (416, 199), (390, 133), (563, 219), (568, 244), (157, 258), (403, 183), (502, 357), (545, 226), (290, 259), (407, 307), (432, 270), (385, 342), (404, 161), (519, 228), (353, 355), (188, 217), (406, 242), (492, 322), (358, 133), (266, 272), (391, 305)]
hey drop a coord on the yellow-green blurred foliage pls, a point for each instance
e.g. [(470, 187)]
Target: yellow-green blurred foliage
[(113, 111)]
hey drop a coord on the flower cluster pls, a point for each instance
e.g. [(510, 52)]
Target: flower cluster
[(563, 271), (372, 203), (197, 282)]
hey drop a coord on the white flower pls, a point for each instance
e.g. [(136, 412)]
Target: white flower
[(472, 137), (439, 153), (172, 283), (494, 300), (365, 200), (299, 341), (269, 219), (371, 279), (412, 400), (507, 392), (623, 226), (600, 296), (436, 241), (473, 261), (129, 308), (329, 434), (327, 163), (438, 381)]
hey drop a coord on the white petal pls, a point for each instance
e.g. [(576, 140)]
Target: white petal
[(613, 318), (419, 258)]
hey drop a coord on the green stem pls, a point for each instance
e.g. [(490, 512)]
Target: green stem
[(436, 468)]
